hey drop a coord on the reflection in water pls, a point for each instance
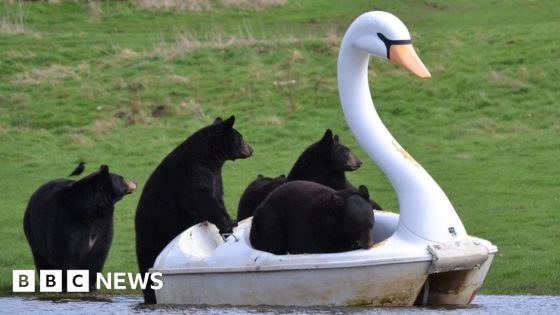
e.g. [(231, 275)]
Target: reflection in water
[(483, 304)]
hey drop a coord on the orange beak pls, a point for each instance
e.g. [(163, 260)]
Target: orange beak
[(405, 56)]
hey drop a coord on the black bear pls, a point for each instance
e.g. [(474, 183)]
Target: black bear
[(255, 193), (305, 217), (324, 162), (69, 224), (185, 189)]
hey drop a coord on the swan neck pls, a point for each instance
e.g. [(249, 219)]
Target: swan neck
[(420, 197)]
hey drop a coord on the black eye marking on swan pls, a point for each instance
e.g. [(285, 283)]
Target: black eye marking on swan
[(389, 42)]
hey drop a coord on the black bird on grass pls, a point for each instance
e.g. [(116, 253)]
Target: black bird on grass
[(79, 169)]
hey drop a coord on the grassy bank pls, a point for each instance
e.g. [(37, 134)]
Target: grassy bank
[(123, 83)]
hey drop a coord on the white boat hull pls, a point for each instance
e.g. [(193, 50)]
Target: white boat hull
[(199, 269), (365, 285)]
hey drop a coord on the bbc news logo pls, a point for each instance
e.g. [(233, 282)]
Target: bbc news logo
[(78, 281)]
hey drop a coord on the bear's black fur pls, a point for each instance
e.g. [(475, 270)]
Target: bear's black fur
[(69, 224), (255, 193), (186, 189), (324, 162), (305, 217)]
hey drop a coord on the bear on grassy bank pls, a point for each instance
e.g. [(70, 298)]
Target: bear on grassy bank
[(255, 193), (69, 224), (324, 162), (303, 217), (185, 189)]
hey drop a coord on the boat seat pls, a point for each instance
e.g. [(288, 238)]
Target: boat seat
[(385, 225)]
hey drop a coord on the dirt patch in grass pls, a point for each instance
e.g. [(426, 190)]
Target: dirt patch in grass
[(256, 5), (186, 43), (179, 78), (505, 80), (195, 109), (181, 5), (134, 112), (94, 9), (12, 25), (51, 73), (206, 5), (104, 126), (271, 121), (12, 20), (127, 54), (18, 54)]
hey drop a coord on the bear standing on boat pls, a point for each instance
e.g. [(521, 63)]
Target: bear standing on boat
[(186, 189), (69, 224), (303, 217)]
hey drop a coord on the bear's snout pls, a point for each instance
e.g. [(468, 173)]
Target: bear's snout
[(130, 185), (352, 162), (246, 150)]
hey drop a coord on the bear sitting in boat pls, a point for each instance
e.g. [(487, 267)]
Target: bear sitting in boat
[(325, 162), (305, 217), (255, 193)]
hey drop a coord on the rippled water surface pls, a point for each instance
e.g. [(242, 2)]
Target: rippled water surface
[(483, 304)]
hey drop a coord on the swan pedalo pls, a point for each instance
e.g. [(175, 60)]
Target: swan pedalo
[(421, 256)]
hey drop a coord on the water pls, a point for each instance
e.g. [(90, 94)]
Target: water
[(122, 305)]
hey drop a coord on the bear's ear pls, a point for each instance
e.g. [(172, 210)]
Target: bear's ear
[(327, 137), (217, 121), (96, 178), (103, 171), (336, 138), (363, 192), (228, 123), (260, 176)]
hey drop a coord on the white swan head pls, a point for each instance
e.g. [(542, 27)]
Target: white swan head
[(383, 35)]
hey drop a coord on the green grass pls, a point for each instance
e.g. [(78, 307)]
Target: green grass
[(485, 126)]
